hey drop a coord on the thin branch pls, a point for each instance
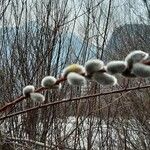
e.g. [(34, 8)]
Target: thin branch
[(21, 98), (106, 28), (89, 10), (75, 99), (30, 141)]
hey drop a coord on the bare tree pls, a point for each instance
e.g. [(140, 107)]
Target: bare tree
[(41, 38)]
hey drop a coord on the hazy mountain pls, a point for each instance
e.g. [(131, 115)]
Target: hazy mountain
[(70, 49), (127, 38)]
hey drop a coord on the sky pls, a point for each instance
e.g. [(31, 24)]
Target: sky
[(122, 12), (120, 9)]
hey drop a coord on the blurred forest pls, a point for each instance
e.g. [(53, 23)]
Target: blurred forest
[(40, 38)]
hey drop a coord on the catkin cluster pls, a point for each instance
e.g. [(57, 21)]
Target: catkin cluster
[(95, 70)]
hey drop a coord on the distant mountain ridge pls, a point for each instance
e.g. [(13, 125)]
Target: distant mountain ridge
[(127, 38), (70, 44)]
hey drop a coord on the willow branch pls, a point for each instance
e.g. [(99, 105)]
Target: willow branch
[(21, 98), (75, 99)]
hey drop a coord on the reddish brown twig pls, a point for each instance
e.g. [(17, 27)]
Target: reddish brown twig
[(19, 99), (75, 99), (146, 62)]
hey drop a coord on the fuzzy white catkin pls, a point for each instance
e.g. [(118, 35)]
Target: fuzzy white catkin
[(28, 89), (48, 81), (93, 65), (76, 79), (141, 70), (73, 68), (37, 97), (104, 78), (115, 67), (136, 56)]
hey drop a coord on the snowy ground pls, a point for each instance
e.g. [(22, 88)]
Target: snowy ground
[(93, 133)]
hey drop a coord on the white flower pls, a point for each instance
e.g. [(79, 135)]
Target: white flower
[(104, 78), (136, 56), (37, 97), (93, 65), (141, 70), (28, 89), (48, 81), (76, 79), (115, 67), (73, 68)]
